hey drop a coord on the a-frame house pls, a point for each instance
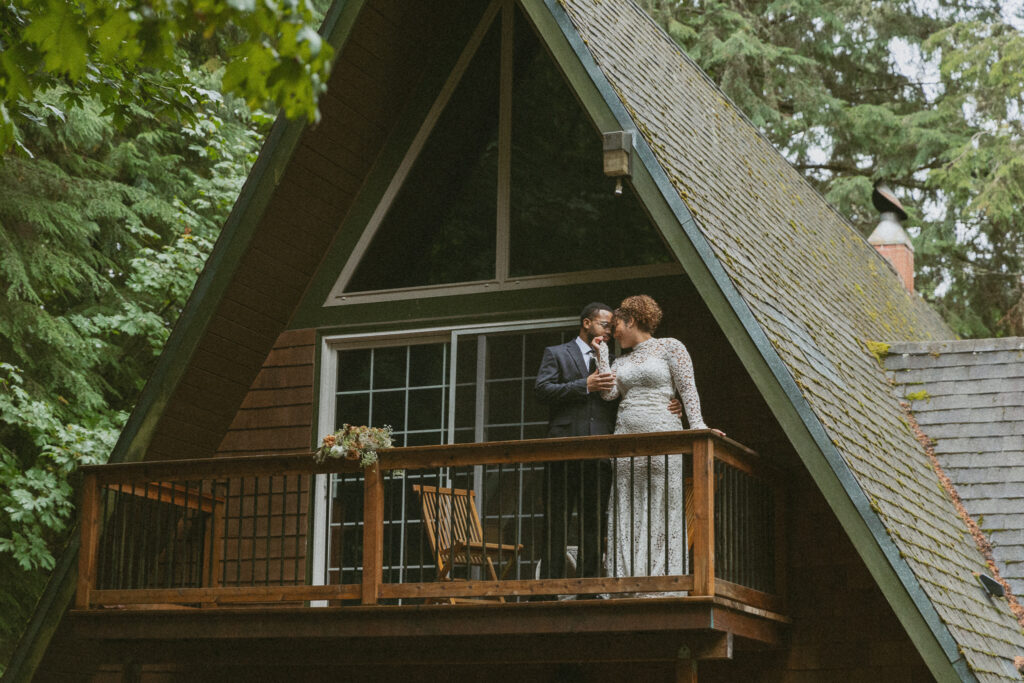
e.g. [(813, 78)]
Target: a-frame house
[(405, 260)]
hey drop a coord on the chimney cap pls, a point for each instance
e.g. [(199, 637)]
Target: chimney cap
[(890, 231), (885, 201)]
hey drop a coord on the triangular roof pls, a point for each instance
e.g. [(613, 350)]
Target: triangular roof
[(795, 288), (808, 293)]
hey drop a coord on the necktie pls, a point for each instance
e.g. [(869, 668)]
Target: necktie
[(593, 364)]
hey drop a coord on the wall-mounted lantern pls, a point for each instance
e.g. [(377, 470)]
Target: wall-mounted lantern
[(618, 156)]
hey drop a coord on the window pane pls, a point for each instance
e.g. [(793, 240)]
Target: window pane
[(442, 225), (427, 365), (504, 402), (353, 409), (465, 435), (505, 356), (432, 438), (533, 410), (389, 409), (502, 433), (354, 370), (389, 367), (425, 409), (537, 342), (465, 406), (465, 370), (564, 214), (536, 431)]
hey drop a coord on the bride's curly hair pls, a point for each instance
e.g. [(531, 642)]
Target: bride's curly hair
[(641, 310)]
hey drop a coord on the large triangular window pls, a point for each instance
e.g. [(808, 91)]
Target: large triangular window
[(502, 187)]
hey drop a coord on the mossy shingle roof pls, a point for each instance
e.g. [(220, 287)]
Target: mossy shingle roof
[(819, 292), (968, 396)]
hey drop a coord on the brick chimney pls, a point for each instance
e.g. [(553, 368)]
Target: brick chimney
[(890, 239)]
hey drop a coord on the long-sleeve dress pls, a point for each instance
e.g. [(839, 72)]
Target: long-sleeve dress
[(646, 525)]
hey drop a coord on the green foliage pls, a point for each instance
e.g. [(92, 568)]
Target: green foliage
[(104, 228), (38, 456), (823, 80), (36, 460), (124, 55), (101, 237)]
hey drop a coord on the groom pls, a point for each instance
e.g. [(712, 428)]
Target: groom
[(568, 382)]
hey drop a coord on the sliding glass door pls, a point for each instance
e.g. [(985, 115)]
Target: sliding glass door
[(433, 387)]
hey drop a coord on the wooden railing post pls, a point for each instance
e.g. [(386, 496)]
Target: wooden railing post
[(373, 534), (89, 530), (704, 512)]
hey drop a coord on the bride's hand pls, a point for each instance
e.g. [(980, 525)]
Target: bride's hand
[(596, 343)]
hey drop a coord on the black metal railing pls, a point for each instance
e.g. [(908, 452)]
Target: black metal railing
[(653, 514)]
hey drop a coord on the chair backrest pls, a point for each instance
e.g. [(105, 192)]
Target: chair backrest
[(450, 517)]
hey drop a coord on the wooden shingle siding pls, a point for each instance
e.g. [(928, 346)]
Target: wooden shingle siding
[(843, 628), (277, 414), (266, 520)]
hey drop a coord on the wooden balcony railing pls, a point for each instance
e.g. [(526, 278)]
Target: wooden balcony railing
[(239, 530)]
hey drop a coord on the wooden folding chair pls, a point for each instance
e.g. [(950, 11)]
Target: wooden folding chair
[(456, 535)]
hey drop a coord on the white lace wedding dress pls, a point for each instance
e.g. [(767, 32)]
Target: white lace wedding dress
[(646, 532)]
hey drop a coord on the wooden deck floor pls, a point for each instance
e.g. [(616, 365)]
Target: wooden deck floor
[(263, 638)]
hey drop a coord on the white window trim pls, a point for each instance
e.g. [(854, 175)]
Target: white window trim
[(329, 347)]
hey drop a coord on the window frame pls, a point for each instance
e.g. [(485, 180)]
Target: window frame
[(503, 11), (330, 345)]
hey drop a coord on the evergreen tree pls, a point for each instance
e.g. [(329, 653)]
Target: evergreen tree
[(103, 230), (831, 83)]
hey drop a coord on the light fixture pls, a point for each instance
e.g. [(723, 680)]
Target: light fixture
[(618, 157)]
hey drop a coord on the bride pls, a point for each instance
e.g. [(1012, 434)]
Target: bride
[(645, 513)]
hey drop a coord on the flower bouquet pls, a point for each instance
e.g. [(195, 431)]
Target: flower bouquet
[(355, 443)]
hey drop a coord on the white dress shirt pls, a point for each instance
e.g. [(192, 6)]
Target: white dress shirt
[(588, 353)]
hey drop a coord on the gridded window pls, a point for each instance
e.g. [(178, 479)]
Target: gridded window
[(407, 388), (410, 387)]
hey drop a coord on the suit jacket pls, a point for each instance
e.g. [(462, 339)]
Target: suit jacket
[(562, 385)]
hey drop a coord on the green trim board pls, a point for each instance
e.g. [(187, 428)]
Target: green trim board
[(761, 359)]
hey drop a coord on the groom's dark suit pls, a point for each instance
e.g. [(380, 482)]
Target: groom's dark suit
[(580, 485)]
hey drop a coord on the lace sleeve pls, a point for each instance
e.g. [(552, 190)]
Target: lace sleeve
[(682, 377), (603, 366)]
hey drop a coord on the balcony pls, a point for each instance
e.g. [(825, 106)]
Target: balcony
[(206, 544)]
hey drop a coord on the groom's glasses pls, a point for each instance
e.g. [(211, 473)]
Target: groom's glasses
[(602, 323)]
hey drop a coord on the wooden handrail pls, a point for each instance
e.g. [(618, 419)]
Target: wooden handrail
[(426, 457), (705, 446)]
